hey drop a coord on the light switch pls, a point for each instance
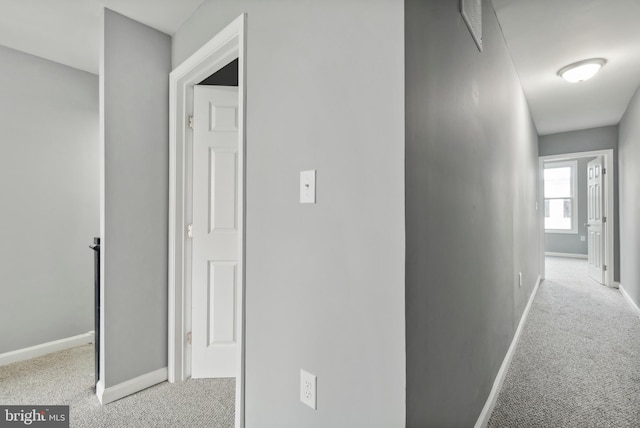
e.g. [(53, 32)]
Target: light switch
[(308, 187)]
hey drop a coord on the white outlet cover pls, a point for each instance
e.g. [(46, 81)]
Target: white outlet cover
[(520, 279), (308, 389), (308, 187)]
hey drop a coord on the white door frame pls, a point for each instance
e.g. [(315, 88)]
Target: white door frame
[(609, 256), (224, 47)]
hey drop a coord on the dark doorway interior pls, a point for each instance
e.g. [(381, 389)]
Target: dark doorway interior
[(226, 76)]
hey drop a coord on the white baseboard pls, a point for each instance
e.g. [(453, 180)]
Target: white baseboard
[(483, 420), (46, 348), (121, 390), (628, 298), (570, 255)]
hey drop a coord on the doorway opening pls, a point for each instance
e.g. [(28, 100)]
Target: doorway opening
[(225, 53), (577, 212)]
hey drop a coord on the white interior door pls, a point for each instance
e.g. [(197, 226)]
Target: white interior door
[(595, 203), (215, 303)]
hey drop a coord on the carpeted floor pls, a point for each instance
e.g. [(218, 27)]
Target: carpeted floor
[(578, 360), (66, 378)]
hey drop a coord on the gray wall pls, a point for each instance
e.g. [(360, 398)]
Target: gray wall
[(570, 242), (584, 141), (49, 186), (471, 222), (134, 219), (579, 141), (325, 282), (629, 147)]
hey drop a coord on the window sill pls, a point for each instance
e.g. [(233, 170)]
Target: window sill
[(562, 232)]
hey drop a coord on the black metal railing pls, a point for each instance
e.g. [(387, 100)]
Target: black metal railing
[(96, 307)]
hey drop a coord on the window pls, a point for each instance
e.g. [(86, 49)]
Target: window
[(560, 197)]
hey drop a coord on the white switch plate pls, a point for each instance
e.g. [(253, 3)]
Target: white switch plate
[(308, 389), (582, 238), (308, 187)]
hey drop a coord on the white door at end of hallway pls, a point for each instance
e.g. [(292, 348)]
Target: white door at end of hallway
[(215, 305), (595, 218)]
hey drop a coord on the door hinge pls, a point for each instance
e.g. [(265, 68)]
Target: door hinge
[(190, 122), (604, 267), (604, 170), (604, 219), (190, 231), (189, 338)]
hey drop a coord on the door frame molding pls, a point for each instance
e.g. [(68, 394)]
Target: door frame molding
[(610, 209), (228, 44)]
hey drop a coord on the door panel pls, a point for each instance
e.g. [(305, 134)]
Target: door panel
[(215, 232), (223, 170), (221, 312), (595, 200)]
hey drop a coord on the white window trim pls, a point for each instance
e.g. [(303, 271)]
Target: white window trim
[(573, 164)]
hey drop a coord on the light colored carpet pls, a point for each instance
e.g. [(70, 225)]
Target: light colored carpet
[(66, 378), (578, 360)]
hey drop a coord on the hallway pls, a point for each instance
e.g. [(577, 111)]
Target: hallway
[(578, 361)]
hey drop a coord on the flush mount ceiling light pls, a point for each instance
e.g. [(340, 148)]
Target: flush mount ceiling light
[(581, 70)]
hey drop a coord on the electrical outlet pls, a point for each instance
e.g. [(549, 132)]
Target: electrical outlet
[(308, 389), (519, 279)]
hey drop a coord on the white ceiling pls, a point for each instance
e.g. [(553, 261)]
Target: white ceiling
[(68, 31), (542, 35), (545, 35)]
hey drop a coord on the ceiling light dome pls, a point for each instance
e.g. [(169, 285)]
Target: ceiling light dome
[(581, 70)]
